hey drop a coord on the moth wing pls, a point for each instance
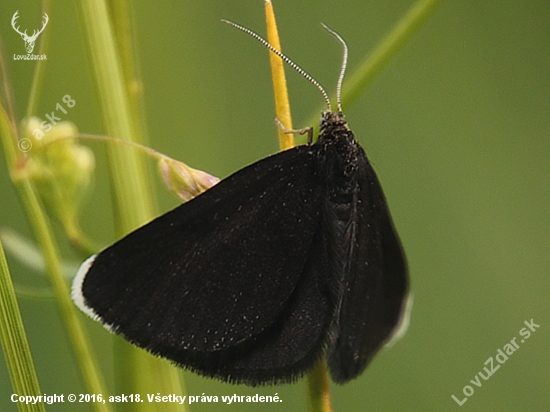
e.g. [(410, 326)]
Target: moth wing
[(214, 274), (290, 346), (376, 288)]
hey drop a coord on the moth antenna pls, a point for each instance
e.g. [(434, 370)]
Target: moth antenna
[(287, 60), (344, 65)]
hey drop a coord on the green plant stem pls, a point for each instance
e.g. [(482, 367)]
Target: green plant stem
[(417, 15), (122, 12), (14, 342), (38, 74), (385, 51), (50, 252), (133, 205), (318, 389), (317, 379), (43, 233), (136, 370)]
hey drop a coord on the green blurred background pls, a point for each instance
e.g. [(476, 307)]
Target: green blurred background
[(457, 127)]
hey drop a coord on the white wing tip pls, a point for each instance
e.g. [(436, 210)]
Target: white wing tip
[(79, 299), (403, 324), (76, 290)]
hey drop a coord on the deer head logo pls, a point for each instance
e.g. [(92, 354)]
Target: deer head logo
[(29, 40)]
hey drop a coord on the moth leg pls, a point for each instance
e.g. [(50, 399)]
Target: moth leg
[(308, 130)]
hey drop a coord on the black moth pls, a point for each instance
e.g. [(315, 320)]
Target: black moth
[(289, 260)]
